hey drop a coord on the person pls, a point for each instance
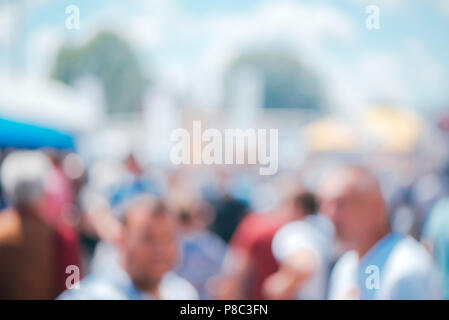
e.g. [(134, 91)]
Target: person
[(435, 238), (379, 264), (60, 214), (148, 251), (202, 251), (302, 248), (250, 260), (28, 261), (229, 209), (136, 181)]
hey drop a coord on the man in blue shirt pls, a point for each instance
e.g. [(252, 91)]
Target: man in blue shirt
[(379, 264)]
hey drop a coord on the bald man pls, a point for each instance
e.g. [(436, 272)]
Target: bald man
[(148, 251), (378, 264)]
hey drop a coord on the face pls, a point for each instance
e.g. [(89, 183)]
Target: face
[(355, 214), (149, 246)]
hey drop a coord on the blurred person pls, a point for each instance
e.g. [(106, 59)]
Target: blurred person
[(302, 248), (379, 264), (230, 213), (148, 250), (113, 183), (2, 193), (27, 246), (409, 212), (61, 213), (202, 251), (97, 214), (229, 210), (435, 237), (249, 260), (104, 227), (135, 182)]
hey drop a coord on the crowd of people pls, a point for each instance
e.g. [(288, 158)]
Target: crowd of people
[(132, 232)]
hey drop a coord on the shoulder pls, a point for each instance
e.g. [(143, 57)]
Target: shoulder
[(301, 234), (207, 243), (286, 239), (312, 226), (342, 282), (93, 287), (173, 287), (410, 256), (292, 230), (346, 264), (410, 272), (211, 238)]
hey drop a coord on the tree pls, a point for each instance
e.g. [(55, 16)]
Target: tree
[(287, 84), (113, 62)]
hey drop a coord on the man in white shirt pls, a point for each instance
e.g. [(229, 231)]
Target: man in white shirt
[(378, 264), (302, 249), (148, 251)]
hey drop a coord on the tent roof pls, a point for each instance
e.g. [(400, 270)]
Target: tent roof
[(23, 135), (45, 102)]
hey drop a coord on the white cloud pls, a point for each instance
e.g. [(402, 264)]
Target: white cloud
[(41, 48), (444, 6), (427, 79), (411, 77), (306, 29), (142, 24), (212, 41), (380, 75), (8, 14)]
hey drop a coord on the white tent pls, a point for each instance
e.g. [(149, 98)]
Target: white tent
[(46, 102)]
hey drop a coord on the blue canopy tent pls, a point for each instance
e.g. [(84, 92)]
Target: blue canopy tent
[(15, 134)]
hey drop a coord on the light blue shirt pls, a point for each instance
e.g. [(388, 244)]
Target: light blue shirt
[(396, 268), (436, 233), (115, 284)]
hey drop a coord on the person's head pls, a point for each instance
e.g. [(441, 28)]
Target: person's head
[(192, 213), (149, 244), (22, 176), (300, 204), (29, 199), (352, 199), (305, 203)]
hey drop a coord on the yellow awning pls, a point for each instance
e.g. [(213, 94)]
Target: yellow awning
[(395, 129), (331, 134)]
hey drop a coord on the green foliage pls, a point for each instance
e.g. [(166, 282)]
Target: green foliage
[(112, 61), (287, 84)]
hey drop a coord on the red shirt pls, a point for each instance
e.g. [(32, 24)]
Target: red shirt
[(253, 237), (59, 198)]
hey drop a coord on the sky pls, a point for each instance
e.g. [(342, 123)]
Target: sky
[(186, 45)]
